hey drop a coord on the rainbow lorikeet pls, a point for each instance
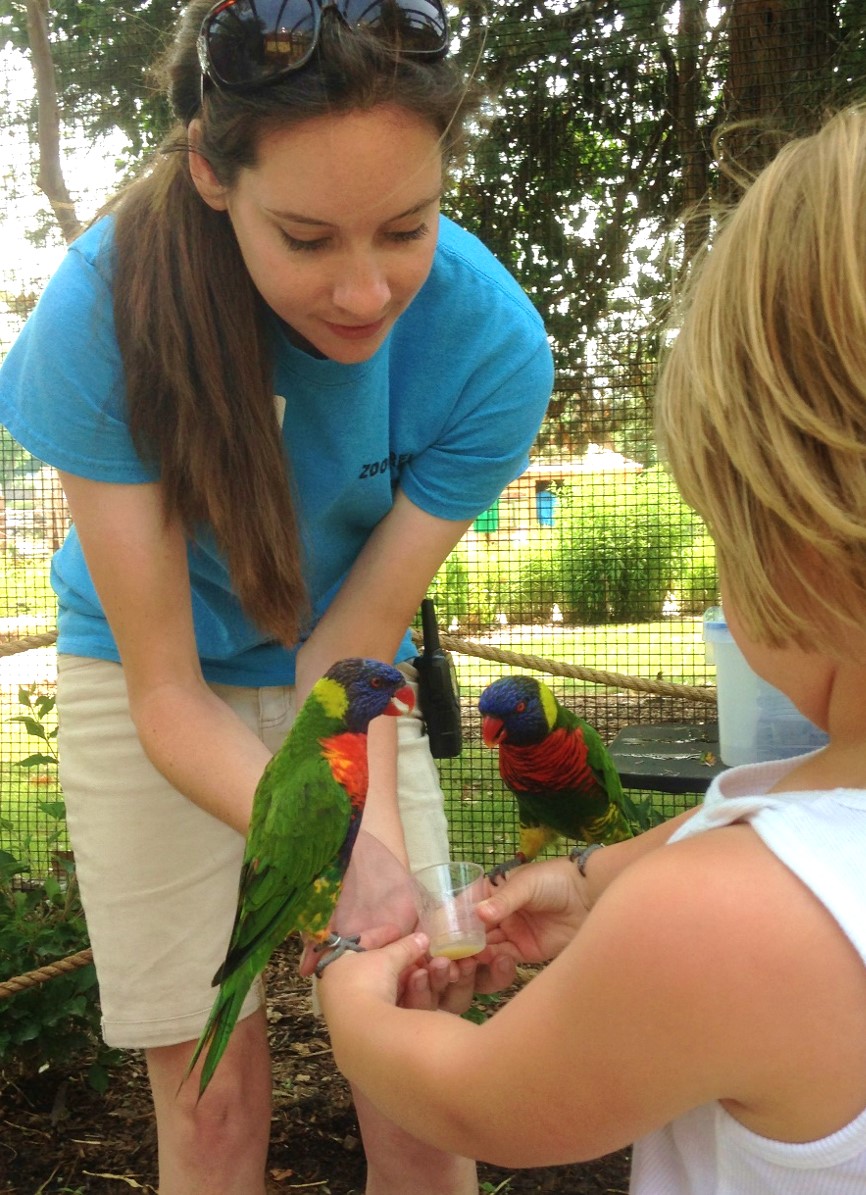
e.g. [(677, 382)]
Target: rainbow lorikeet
[(305, 820), (556, 765)]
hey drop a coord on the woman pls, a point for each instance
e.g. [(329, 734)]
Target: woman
[(278, 388)]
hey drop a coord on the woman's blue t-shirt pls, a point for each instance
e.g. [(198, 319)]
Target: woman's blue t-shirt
[(446, 410)]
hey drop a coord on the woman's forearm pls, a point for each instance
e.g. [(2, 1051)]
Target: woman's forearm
[(202, 748)]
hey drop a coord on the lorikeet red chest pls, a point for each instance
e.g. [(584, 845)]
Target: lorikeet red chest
[(557, 762), (346, 755)]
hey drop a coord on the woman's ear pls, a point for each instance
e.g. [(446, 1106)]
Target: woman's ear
[(206, 182)]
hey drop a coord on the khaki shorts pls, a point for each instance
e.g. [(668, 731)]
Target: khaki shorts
[(159, 876)]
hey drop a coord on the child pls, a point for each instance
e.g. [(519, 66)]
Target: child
[(706, 1001)]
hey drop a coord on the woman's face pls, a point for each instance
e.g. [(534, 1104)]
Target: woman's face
[(337, 223)]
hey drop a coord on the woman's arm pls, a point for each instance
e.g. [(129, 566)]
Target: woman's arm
[(383, 590), (369, 617), (138, 563)]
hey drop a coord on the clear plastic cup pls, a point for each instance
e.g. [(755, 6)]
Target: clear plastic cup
[(446, 896)]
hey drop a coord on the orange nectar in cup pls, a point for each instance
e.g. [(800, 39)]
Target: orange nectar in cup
[(446, 896), (456, 945)]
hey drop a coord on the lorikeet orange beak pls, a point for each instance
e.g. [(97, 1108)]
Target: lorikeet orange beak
[(403, 702)]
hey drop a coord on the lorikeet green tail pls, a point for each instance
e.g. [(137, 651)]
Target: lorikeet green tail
[(305, 819), (556, 765)]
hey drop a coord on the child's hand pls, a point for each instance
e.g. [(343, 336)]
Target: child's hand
[(450, 986), (534, 914), (399, 972), (378, 973)]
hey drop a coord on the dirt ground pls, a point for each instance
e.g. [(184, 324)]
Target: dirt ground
[(56, 1135)]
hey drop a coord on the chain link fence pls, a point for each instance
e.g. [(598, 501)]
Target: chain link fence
[(602, 133)]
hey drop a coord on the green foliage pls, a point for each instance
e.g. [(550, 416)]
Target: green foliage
[(52, 1024), (14, 460), (38, 835), (696, 584), (102, 53), (25, 587), (482, 1006), (619, 555), (39, 709), (469, 588), (619, 547)]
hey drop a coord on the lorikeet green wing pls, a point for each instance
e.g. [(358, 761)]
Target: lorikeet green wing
[(306, 815), (557, 766)]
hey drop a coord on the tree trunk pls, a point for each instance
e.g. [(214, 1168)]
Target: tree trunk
[(777, 82), (694, 153), (50, 178)]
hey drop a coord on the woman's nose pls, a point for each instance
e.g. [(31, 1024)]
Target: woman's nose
[(362, 290)]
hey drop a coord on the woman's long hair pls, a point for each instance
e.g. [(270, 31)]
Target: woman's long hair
[(192, 328)]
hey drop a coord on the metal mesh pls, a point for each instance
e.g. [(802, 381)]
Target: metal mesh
[(600, 137)]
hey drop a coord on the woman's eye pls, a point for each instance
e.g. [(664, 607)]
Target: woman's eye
[(298, 246), (410, 234)]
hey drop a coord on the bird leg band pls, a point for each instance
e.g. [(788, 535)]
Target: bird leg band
[(580, 854)]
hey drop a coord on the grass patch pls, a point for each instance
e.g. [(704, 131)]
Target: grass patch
[(673, 648)]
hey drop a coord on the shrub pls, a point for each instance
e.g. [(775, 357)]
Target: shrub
[(620, 544), (617, 555), (697, 582), (50, 1025)]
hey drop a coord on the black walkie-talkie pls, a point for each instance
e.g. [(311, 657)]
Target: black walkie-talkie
[(438, 691)]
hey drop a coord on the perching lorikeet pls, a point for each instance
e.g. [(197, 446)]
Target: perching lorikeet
[(305, 819), (556, 765)]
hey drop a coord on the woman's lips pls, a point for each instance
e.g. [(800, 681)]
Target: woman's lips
[(355, 331)]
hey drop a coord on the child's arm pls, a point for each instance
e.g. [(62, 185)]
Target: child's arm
[(537, 909), (683, 986)]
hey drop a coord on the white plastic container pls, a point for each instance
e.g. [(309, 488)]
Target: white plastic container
[(756, 721)]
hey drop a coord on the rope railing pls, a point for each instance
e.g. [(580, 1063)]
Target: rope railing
[(614, 680), (31, 979), (484, 651), (27, 642)]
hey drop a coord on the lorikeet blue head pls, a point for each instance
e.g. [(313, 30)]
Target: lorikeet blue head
[(369, 688), (517, 710)]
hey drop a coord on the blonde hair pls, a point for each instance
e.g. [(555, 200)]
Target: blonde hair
[(761, 404)]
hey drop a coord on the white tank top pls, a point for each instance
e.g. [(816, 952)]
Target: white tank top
[(821, 837)]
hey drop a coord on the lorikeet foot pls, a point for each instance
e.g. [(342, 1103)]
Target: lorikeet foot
[(334, 946), (501, 869)]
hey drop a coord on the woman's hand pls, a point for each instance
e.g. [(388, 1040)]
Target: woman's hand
[(533, 914)]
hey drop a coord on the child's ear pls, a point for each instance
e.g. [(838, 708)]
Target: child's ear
[(206, 182)]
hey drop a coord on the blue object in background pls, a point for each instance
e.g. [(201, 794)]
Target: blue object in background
[(545, 507)]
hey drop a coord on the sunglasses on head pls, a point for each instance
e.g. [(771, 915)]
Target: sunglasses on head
[(244, 44)]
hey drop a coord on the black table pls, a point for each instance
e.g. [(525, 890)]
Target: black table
[(672, 757)]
